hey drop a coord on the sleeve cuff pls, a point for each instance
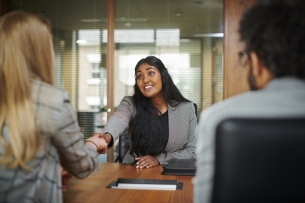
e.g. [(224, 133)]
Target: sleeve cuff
[(111, 142), (161, 158)]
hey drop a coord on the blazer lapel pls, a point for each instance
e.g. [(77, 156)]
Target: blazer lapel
[(173, 123)]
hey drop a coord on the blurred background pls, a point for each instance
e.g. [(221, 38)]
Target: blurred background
[(187, 35)]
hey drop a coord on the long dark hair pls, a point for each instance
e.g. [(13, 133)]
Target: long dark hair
[(145, 127)]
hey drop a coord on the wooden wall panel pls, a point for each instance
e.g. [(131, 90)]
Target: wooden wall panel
[(235, 77), (110, 67)]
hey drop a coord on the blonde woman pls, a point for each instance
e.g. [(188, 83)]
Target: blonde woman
[(38, 128)]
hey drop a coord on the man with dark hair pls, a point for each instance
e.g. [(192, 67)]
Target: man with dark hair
[(273, 33)]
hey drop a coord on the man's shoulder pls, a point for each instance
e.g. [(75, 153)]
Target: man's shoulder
[(273, 101), (239, 105), (236, 101)]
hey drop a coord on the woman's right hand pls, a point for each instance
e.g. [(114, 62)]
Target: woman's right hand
[(106, 136), (98, 142)]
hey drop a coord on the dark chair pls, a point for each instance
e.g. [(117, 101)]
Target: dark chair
[(123, 146), (260, 160), (195, 105), (124, 143)]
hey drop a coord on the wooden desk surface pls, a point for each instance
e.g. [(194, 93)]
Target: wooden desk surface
[(93, 188)]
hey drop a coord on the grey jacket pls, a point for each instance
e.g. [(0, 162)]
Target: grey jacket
[(182, 126), (281, 98), (61, 143)]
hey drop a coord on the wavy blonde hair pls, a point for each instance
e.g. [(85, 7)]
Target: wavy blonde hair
[(25, 53)]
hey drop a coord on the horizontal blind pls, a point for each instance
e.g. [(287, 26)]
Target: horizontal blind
[(183, 34)]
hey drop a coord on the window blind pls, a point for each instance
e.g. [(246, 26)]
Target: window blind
[(185, 35)]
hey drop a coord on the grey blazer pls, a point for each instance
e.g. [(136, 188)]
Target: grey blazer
[(61, 143), (182, 126)]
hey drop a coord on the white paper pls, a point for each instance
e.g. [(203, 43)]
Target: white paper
[(145, 186)]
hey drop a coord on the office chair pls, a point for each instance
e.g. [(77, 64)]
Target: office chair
[(259, 160), (124, 143)]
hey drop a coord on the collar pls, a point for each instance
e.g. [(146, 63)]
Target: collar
[(285, 83)]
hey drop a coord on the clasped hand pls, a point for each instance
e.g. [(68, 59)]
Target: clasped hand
[(99, 142)]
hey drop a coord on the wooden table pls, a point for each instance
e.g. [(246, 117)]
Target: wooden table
[(93, 188)]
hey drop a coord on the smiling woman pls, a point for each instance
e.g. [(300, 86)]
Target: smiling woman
[(149, 82), (161, 123)]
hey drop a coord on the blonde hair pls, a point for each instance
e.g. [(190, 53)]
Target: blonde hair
[(25, 54)]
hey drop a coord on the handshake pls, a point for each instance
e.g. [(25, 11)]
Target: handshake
[(99, 141)]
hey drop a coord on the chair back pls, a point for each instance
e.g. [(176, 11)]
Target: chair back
[(259, 160), (124, 146)]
